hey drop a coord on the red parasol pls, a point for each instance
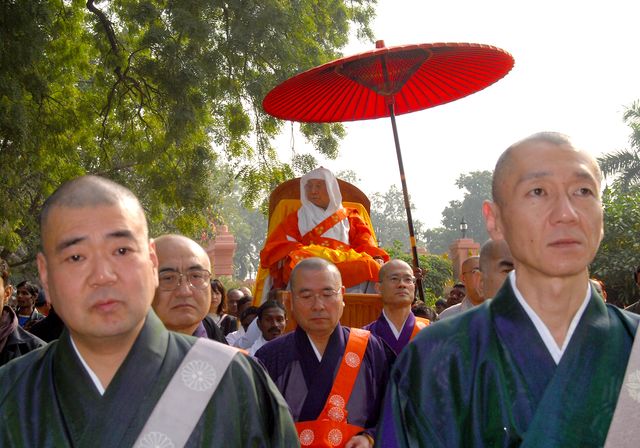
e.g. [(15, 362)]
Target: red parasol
[(386, 82)]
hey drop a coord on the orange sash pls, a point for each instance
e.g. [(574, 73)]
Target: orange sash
[(421, 322), (316, 233), (331, 428)]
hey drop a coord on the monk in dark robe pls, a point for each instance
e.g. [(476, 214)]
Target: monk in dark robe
[(397, 325), (542, 363), (104, 383), (332, 377)]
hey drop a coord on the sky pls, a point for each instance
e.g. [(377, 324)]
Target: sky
[(576, 69)]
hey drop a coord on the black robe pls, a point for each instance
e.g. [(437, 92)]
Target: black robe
[(18, 342), (485, 378), (47, 398)]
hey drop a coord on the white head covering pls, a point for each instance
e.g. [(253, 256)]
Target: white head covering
[(310, 215)]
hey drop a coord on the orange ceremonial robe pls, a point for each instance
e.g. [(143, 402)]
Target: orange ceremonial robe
[(354, 260)]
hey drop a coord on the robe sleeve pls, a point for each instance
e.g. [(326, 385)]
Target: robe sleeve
[(420, 406), (360, 237), (278, 246)]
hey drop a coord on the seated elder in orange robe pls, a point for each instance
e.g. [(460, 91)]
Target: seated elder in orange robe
[(322, 227)]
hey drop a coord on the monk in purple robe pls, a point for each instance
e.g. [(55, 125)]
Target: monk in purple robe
[(332, 377), (397, 325)]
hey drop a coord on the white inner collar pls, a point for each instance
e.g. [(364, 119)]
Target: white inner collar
[(92, 374), (555, 351)]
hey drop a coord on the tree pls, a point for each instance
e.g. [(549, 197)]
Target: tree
[(154, 95), (624, 164), (389, 218), (249, 227), (619, 251), (478, 189)]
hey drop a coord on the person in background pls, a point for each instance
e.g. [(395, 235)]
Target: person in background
[(421, 309), (441, 305), (183, 296), (471, 278), (456, 294), (272, 319), (397, 325), (233, 296), (226, 322), (26, 294), (241, 337), (14, 340), (48, 329), (635, 307), (598, 286), (496, 262), (42, 304)]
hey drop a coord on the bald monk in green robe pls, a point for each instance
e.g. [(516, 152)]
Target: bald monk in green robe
[(104, 382), (542, 363)]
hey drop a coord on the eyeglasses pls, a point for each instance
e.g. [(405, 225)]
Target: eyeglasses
[(197, 279), (325, 295), (394, 279)]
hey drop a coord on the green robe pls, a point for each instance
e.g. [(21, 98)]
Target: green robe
[(47, 399), (485, 378)]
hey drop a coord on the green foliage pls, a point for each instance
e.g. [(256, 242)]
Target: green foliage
[(249, 227), (389, 218), (477, 186), (624, 165), (619, 251), (156, 95)]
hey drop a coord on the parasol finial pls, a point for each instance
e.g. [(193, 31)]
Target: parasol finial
[(379, 44)]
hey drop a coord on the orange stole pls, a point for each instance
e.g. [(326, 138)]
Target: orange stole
[(325, 225), (331, 429), (354, 260), (421, 322)]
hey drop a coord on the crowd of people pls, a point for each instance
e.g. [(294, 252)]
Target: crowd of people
[(131, 342)]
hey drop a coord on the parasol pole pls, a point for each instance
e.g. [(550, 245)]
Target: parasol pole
[(405, 193), (391, 101)]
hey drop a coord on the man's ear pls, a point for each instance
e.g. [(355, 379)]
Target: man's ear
[(377, 287), (41, 261), (480, 286), (153, 255), (8, 290), (492, 218)]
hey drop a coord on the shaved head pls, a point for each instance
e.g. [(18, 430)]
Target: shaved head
[(171, 242), (390, 265), (505, 162), (495, 264), (88, 191), (315, 264)]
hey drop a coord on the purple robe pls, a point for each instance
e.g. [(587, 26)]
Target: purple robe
[(381, 328), (306, 382)]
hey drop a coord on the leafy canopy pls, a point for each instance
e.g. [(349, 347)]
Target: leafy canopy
[(155, 94)]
